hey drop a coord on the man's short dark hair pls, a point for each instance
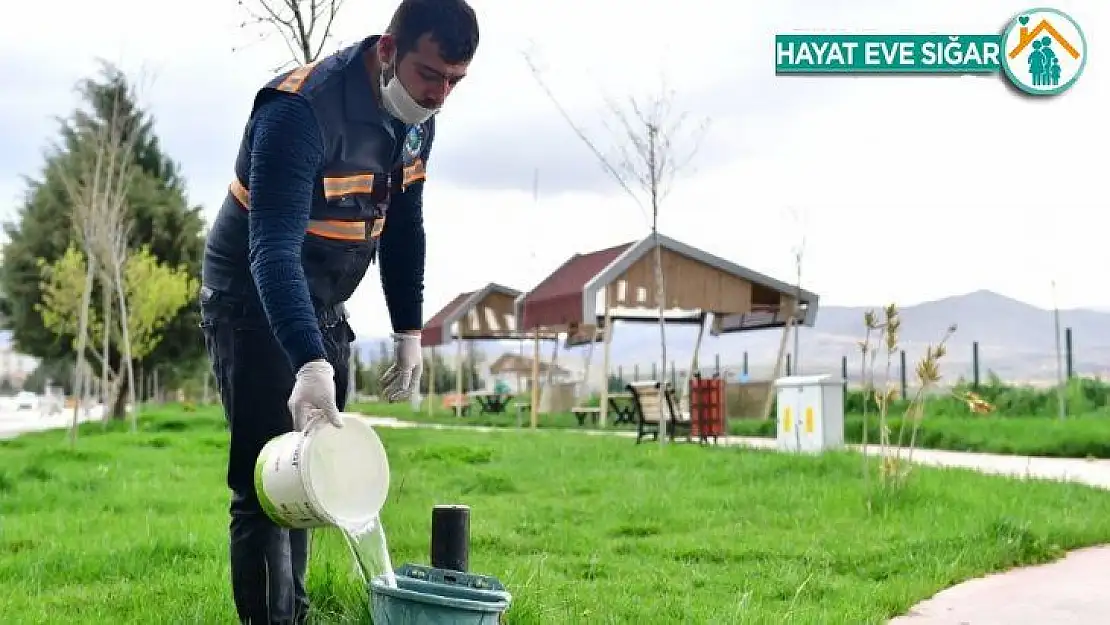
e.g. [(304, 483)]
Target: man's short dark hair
[(451, 23)]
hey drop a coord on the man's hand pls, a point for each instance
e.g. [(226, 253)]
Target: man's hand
[(402, 379), (314, 395)]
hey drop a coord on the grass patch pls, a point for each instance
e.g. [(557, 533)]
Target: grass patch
[(557, 421), (132, 528), (1083, 436), (1074, 437)]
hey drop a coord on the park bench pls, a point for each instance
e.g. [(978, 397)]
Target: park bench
[(622, 407), (679, 421), (460, 400), (491, 402), (582, 412), (645, 397)]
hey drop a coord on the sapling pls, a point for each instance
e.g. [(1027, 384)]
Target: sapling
[(874, 327), (928, 375), (865, 390), (891, 324), (893, 468)]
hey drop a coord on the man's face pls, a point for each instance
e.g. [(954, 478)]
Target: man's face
[(423, 72)]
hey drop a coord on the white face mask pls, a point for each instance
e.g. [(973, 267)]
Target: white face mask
[(398, 102)]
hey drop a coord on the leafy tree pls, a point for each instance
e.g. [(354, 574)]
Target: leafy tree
[(155, 293), (434, 365), (369, 373), (160, 217)]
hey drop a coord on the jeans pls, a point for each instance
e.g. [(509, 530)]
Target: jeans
[(268, 562)]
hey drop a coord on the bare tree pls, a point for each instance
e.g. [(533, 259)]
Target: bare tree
[(799, 255), (305, 26), (653, 142), (112, 242), (96, 178), (105, 354)]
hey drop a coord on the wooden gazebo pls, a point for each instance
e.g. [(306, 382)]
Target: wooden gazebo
[(590, 292), (486, 314)]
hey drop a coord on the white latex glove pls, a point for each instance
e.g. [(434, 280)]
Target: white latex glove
[(402, 379), (313, 395)]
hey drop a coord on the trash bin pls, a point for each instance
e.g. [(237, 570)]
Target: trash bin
[(707, 412)]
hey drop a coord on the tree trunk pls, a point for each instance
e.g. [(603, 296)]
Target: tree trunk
[(82, 340), (106, 296), (126, 344), (119, 399)]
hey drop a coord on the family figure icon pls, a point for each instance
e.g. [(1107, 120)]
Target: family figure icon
[(1044, 66)]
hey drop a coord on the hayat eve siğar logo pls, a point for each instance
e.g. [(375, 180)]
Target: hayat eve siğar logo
[(1044, 51)]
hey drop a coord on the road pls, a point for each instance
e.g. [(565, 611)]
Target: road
[(13, 423)]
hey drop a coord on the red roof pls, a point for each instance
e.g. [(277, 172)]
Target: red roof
[(558, 299), (434, 333)]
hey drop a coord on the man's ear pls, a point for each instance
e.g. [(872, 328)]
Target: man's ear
[(387, 49)]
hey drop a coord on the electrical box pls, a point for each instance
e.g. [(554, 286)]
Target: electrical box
[(810, 413)]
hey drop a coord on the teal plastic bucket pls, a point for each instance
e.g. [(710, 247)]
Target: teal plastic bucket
[(427, 596)]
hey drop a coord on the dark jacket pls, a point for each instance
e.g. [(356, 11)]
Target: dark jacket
[(366, 202)]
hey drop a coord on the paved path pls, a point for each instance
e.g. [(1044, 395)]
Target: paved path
[(1070, 591), (13, 423)]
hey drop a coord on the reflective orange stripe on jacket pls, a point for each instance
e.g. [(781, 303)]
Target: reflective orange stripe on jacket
[(414, 173), (336, 229), (339, 230), (295, 79), (338, 186)]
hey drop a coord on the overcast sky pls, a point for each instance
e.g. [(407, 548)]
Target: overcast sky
[(905, 189)]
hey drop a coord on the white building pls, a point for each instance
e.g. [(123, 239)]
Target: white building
[(14, 366)]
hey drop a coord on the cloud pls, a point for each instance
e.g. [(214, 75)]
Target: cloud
[(913, 188), (28, 119), (499, 139), (508, 153), (499, 128)]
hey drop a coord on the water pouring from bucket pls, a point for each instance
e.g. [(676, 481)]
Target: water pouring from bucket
[(371, 552), (328, 476)]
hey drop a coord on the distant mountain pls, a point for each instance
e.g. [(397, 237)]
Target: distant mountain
[(1016, 340)]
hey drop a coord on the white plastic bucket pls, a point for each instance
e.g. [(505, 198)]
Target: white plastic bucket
[(324, 476)]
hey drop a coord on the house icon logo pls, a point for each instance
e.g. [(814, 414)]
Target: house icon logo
[(1043, 51)]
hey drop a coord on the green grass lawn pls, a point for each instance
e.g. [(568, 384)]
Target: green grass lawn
[(447, 417), (558, 420), (1083, 436), (131, 528), (1080, 436)]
